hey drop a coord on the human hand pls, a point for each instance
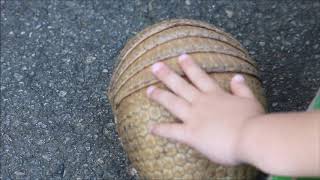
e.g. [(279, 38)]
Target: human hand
[(212, 120)]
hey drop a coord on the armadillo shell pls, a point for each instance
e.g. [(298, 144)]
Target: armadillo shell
[(216, 52)]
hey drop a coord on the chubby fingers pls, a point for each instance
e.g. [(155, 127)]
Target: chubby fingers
[(198, 76), (176, 105), (174, 82), (173, 131)]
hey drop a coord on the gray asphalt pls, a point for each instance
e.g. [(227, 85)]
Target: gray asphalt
[(57, 58)]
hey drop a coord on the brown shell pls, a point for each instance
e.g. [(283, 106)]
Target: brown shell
[(216, 52)]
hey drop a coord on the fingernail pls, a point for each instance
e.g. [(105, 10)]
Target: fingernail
[(183, 57), (151, 127), (156, 67), (150, 89), (238, 78)]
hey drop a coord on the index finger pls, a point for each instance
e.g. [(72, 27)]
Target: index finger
[(196, 75)]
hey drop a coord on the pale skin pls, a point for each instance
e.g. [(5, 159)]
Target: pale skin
[(232, 128)]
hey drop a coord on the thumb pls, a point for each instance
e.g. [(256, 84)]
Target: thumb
[(240, 88), (173, 131)]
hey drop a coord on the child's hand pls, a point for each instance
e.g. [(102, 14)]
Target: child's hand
[(212, 119)]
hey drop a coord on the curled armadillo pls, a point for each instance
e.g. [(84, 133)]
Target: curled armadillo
[(217, 52)]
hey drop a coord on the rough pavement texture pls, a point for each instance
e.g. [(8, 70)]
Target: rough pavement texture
[(57, 59)]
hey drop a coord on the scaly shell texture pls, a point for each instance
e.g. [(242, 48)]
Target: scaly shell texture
[(217, 52)]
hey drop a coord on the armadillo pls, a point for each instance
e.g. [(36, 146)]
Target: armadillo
[(216, 52)]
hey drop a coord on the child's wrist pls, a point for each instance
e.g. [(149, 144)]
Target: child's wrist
[(246, 142)]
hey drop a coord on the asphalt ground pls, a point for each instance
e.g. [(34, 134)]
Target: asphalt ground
[(57, 59)]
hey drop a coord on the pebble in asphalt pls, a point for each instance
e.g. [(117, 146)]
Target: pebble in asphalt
[(57, 58)]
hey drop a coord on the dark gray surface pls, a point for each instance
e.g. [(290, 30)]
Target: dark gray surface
[(57, 58)]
